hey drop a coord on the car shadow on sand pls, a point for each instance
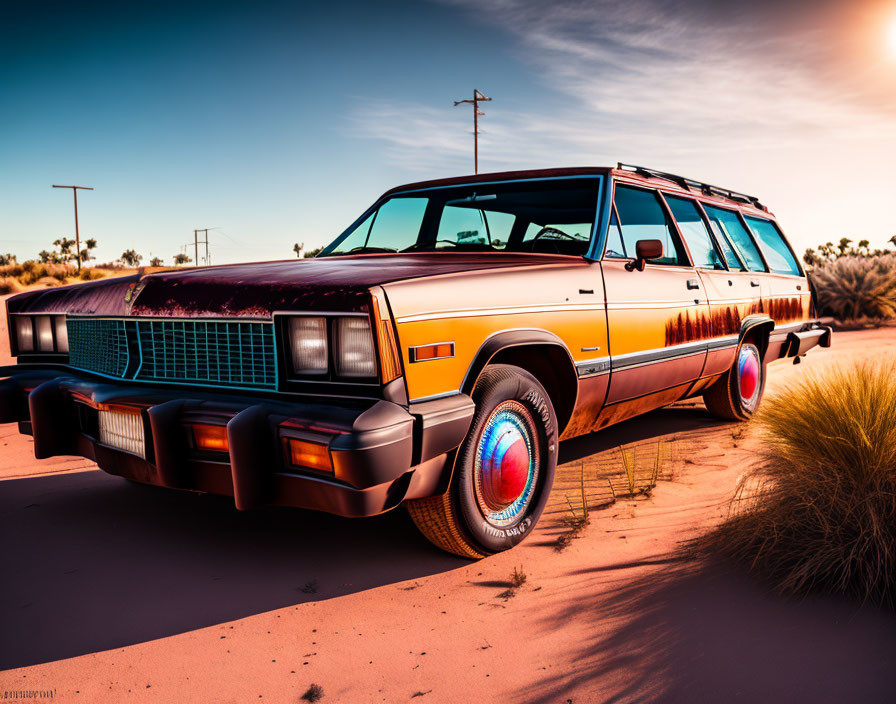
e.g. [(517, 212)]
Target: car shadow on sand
[(93, 562), (671, 420)]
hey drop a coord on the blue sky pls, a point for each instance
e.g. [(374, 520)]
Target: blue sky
[(279, 123)]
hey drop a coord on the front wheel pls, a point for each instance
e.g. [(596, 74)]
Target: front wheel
[(736, 395), (503, 472)]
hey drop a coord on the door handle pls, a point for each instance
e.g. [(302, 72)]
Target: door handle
[(692, 284), (754, 283)]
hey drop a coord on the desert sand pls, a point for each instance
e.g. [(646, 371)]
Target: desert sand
[(119, 593)]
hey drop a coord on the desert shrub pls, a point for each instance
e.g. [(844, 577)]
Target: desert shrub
[(818, 514), (90, 274), (856, 287), (9, 284)]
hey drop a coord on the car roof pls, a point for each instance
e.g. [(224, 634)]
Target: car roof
[(636, 175)]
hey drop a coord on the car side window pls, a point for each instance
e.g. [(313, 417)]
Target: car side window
[(778, 255), (726, 223), (642, 217), (615, 247), (693, 229)]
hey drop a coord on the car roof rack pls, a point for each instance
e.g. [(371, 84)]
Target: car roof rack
[(690, 184)]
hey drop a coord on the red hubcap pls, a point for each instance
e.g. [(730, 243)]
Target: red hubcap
[(748, 374), (506, 464), (505, 469)]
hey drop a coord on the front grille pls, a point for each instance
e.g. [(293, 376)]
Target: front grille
[(99, 345), (209, 352), (229, 353)]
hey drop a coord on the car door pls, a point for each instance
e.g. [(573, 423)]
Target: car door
[(658, 317), (728, 288), (736, 293)]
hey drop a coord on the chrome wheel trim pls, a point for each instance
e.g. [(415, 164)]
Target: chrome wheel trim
[(510, 422)]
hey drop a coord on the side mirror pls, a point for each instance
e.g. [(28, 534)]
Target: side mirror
[(645, 250)]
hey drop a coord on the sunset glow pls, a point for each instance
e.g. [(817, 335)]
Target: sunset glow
[(891, 36)]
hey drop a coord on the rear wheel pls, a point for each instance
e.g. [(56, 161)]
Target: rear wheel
[(504, 469), (737, 394)]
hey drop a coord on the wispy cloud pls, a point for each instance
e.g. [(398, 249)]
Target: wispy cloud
[(654, 80)]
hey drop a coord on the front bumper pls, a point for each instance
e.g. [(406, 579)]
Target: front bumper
[(381, 453)]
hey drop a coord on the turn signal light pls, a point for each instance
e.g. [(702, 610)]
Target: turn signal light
[(310, 454), (426, 352), (211, 437)]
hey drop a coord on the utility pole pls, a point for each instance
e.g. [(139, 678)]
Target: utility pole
[(477, 98), (196, 243), (77, 233)]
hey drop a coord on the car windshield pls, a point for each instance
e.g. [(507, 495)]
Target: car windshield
[(551, 216)]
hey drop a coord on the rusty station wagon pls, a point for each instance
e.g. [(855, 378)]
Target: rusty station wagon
[(432, 355)]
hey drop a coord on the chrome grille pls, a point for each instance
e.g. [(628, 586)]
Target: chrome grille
[(99, 345), (230, 353)]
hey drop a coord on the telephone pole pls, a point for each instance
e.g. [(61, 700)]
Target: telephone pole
[(77, 233), (477, 98), (196, 243)]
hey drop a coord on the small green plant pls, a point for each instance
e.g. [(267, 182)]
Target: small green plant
[(818, 514), (629, 464), (517, 577), (314, 694)]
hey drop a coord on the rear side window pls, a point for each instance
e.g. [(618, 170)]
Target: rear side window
[(778, 255), (642, 217), (695, 234), (726, 223)]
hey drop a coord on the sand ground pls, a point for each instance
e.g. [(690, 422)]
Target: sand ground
[(119, 593)]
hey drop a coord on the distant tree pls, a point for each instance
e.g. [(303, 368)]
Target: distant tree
[(130, 258), (297, 248), (156, 261), (892, 240), (65, 246), (89, 245), (813, 259), (66, 251), (7, 259), (312, 252), (181, 259), (843, 247)]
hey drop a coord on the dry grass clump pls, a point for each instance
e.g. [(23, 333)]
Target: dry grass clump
[(853, 288), (819, 513), (9, 284), (16, 277)]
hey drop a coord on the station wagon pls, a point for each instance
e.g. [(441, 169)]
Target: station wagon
[(432, 356)]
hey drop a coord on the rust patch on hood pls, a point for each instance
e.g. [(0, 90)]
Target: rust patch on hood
[(335, 284)]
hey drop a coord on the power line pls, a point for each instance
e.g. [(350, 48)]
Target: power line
[(477, 98), (77, 233)]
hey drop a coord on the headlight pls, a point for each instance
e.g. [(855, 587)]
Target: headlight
[(24, 334), (331, 348), (308, 344), (354, 348), (40, 333), (61, 335)]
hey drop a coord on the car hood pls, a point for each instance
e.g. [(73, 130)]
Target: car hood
[(327, 284)]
